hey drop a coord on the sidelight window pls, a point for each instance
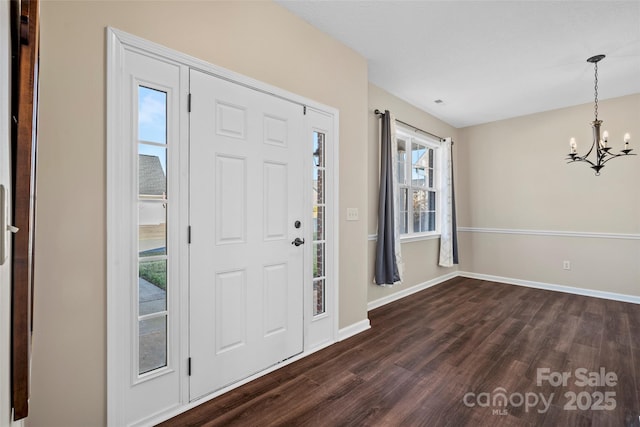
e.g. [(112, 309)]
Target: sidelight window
[(152, 229), (319, 224)]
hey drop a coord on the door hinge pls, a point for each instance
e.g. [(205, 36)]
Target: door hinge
[(189, 234), (189, 103), (189, 366), (304, 110)]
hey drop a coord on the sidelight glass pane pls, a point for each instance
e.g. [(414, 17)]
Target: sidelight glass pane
[(318, 297), (152, 351), (318, 223), (318, 260), (152, 229), (152, 115), (152, 287), (318, 186), (318, 149), (153, 273), (152, 171)]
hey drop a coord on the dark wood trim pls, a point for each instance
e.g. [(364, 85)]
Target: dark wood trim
[(25, 88)]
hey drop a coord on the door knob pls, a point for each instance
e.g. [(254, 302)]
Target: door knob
[(298, 241)]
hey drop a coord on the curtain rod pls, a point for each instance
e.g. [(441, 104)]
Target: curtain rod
[(379, 113)]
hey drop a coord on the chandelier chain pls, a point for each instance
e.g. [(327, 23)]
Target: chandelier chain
[(596, 91)]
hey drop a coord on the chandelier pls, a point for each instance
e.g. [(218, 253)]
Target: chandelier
[(600, 143)]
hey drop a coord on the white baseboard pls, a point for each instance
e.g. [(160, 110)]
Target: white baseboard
[(409, 291), (507, 280), (551, 287), (353, 329)]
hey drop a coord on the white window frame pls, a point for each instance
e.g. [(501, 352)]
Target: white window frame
[(411, 136), (172, 101), (131, 396), (321, 329)]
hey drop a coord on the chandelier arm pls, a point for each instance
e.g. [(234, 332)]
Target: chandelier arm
[(590, 162), (582, 159), (613, 156)]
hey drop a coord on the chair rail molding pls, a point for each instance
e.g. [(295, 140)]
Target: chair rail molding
[(556, 233)]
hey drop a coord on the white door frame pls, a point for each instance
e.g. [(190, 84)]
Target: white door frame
[(119, 230), (6, 410)]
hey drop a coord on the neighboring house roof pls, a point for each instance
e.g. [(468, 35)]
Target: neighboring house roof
[(152, 179)]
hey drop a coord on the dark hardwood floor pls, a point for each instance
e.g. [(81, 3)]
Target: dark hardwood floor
[(445, 357)]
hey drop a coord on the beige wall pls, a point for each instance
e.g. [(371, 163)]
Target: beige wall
[(509, 174), (512, 175), (421, 257), (258, 39)]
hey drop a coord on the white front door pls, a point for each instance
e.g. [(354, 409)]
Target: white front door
[(246, 209)]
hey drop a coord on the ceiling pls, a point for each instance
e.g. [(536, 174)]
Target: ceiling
[(487, 60)]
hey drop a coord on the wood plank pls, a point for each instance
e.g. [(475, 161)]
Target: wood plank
[(426, 352)]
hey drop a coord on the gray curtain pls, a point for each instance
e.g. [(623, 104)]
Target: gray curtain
[(386, 268)]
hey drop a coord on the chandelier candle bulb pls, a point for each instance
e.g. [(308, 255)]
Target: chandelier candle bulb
[(573, 145), (626, 138)]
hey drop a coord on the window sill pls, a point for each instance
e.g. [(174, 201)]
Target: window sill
[(419, 237), (411, 238)]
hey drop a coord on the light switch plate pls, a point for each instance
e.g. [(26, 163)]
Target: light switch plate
[(352, 214)]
